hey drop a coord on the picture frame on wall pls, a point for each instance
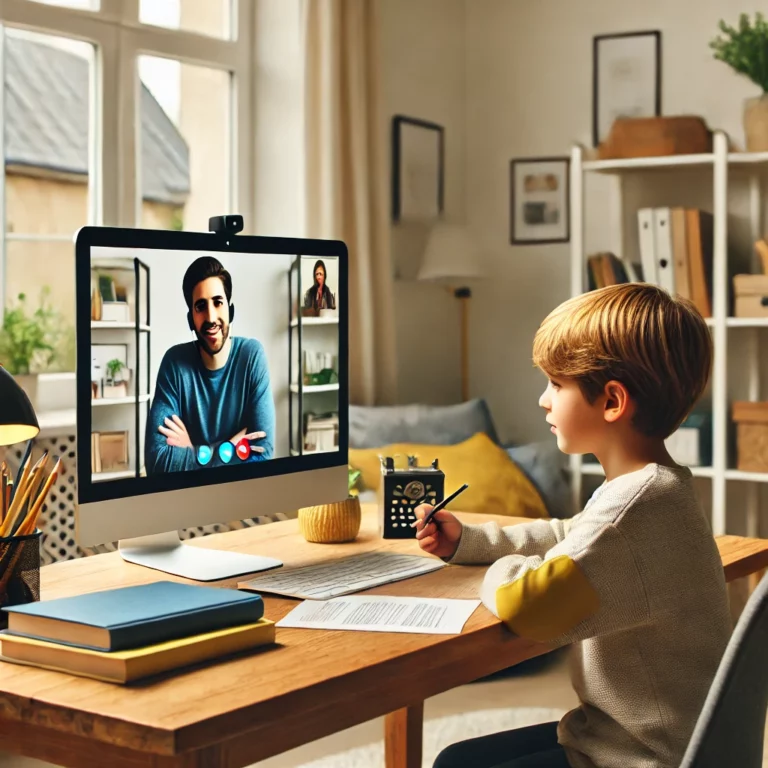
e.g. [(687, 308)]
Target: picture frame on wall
[(539, 200), (626, 79), (418, 169)]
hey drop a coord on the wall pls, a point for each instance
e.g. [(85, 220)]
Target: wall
[(278, 120), (529, 94), (422, 46)]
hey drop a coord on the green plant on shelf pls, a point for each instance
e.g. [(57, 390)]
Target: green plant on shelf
[(745, 48), (114, 367), (31, 343)]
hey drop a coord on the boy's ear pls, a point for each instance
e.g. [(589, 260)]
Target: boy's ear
[(617, 402)]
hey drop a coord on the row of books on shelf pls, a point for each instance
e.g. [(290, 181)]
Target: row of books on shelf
[(121, 635), (321, 432), (675, 246)]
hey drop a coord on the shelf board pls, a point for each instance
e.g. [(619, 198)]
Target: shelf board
[(590, 468), (701, 160), (294, 452), (101, 325), (315, 321), (308, 389), (642, 163), (103, 401), (99, 477), (754, 477), (747, 322)]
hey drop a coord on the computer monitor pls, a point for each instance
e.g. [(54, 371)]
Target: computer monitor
[(211, 387)]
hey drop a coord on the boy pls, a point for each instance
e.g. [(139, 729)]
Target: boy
[(635, 580)]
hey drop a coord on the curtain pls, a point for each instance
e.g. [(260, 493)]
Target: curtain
[(346, 179)]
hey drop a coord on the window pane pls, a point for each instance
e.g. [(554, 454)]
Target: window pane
[(185, 165), (83, 5), (47, 105), (206, 17), (44, 273)]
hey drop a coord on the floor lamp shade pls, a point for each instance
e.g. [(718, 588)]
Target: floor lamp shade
[(18, 422), (450, 255)]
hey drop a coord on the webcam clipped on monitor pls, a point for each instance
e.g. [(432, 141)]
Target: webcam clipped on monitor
[(190, 412)]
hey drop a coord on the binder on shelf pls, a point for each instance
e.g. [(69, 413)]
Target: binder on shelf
[(662, 240), (699, 230), (647, 245), (680, 252)]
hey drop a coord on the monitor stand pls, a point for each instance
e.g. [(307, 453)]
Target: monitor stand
[(166, 552)]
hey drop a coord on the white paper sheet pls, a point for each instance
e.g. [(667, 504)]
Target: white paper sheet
[(383, 613)]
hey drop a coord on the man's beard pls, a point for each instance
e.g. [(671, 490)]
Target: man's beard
[(205, 342)]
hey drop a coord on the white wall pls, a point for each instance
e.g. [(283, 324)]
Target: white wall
[(422, 46), (278, 120), (529, 94)]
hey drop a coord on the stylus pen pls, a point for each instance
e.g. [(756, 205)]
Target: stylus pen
[(442, 504)]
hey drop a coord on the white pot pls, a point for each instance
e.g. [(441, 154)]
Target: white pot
[(28, 382)]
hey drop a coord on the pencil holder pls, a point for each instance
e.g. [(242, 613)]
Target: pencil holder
[(19, 571)]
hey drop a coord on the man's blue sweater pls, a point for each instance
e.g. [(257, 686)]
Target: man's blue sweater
[(214, 405)]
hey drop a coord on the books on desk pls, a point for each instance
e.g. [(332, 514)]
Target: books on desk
[(122, 634)]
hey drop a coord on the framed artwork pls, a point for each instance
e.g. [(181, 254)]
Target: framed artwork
[(626, 72), (539, 200), (418, 156)]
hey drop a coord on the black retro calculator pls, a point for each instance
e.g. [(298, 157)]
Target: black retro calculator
[(402, 490)]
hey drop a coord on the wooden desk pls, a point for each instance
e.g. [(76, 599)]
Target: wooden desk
[(247, 708)]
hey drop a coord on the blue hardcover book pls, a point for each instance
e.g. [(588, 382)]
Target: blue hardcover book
[(132, 617)]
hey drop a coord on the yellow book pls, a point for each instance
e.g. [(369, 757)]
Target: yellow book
[(126, 666)]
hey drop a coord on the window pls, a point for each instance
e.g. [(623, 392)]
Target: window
[(76, 74)]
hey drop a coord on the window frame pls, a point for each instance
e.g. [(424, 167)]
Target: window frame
[(119, 38)]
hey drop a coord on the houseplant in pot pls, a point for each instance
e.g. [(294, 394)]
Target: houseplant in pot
[(745, 49), (28, 343), (336, 522)]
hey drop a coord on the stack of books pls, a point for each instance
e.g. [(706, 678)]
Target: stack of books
[(121, 635), (322, 433)]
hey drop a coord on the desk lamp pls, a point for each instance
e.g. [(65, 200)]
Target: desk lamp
[(17, 416), (451, 258)]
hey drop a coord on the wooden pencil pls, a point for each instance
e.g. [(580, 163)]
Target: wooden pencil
[(30, 522)]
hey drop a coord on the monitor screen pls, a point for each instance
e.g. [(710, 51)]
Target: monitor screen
[(208, 361)]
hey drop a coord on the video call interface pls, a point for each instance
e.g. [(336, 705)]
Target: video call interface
[(217, 373)]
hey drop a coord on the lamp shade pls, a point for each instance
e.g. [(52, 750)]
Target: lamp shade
[(451, 254), (17, 416)]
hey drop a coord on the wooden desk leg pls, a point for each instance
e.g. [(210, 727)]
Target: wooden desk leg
[(403, 731)]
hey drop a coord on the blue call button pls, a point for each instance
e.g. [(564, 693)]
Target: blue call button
[(204, 454), (226, 452)]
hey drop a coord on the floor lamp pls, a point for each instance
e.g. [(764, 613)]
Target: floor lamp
[(452, 258)]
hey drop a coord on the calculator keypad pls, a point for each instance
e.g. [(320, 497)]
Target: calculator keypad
[(401, 513)]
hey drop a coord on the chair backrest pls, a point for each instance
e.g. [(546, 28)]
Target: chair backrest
[(731, 727)]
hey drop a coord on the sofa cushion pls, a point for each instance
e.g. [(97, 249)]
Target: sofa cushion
[(546, 467), (373, 426), (497, 486)]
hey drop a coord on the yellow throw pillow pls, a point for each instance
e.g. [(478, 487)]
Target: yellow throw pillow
[(497, 486)]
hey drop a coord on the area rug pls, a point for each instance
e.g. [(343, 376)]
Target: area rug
[(441, 732)]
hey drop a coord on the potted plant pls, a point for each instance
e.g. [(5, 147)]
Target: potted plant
[(336, 522), (116, 384), (28, 342), (745, 49)]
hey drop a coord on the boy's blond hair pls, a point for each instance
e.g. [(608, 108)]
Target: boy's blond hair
[(655, 344)]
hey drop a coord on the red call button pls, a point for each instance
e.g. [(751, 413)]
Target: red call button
[(243, 449)]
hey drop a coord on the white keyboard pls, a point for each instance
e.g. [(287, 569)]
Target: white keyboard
[(343, 576)]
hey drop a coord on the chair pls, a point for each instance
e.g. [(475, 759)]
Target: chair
[(731, 727)]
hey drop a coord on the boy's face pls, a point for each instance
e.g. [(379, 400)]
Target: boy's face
[(578, 426)]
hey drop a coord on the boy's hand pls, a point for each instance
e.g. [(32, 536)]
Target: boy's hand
[(441, 540)]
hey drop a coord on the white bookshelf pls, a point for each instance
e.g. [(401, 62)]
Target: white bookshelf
[(720, 164)]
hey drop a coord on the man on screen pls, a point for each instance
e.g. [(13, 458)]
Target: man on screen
[(211, 392)]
